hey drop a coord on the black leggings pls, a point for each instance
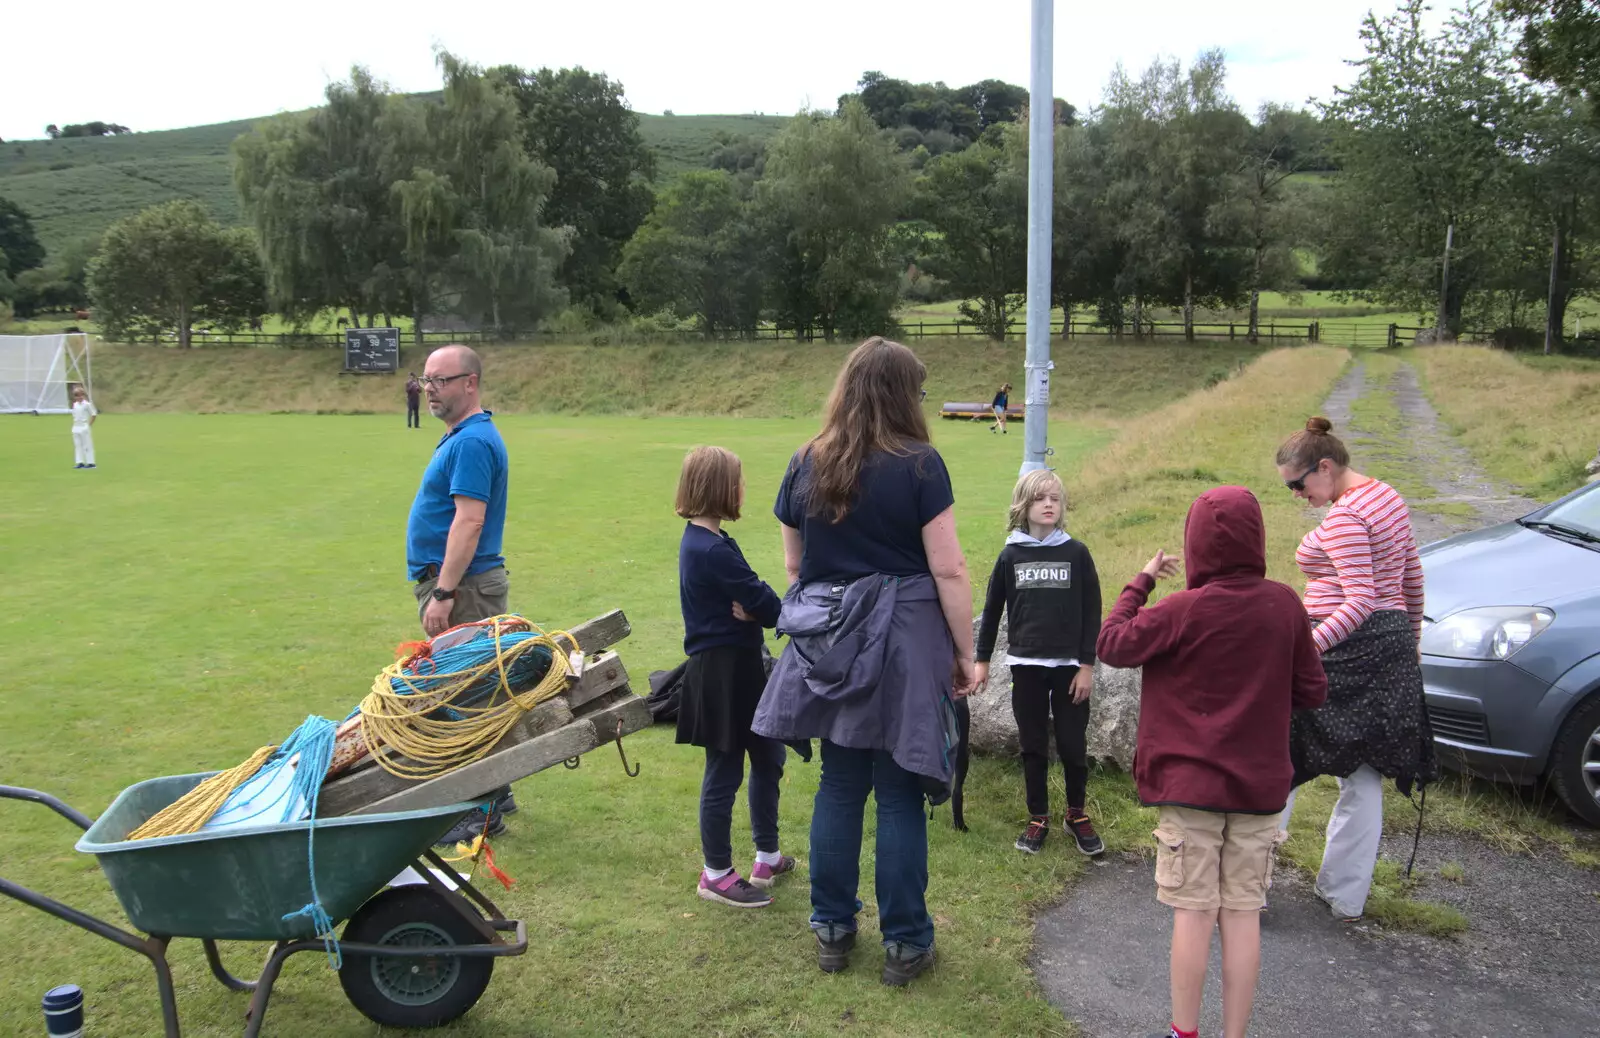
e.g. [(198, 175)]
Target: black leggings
[(1036, 693)]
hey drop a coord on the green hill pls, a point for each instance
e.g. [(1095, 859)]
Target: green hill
[(77, 187)]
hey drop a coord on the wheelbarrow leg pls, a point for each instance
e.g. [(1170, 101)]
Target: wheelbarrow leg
[(229, 981), (169, 999), (263, 986)]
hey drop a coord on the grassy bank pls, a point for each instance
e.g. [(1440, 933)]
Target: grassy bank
[(1531, 425), (744, 380)]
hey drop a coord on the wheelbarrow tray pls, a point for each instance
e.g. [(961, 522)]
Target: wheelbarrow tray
[(240, 883)]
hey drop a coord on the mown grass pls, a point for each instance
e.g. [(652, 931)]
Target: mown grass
[(1530, 426), (748, 380), (220, 576)]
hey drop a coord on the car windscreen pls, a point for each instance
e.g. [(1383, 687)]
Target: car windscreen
[(1581, 513)]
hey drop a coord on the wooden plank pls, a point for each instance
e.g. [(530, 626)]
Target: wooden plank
[(622, 705), (601, 632), (600, 676), (491, 773), (348, 793)]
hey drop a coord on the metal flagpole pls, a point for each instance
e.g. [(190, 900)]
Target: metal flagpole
[(1041, 162)]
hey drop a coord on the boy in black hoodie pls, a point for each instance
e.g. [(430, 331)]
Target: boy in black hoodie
[(1045, 583)]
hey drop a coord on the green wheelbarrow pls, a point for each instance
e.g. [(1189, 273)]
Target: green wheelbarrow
[(413, 955)]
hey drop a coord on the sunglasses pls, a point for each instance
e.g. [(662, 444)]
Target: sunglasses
[(1298, 485)]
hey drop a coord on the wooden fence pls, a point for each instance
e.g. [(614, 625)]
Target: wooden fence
[(1269, 331)]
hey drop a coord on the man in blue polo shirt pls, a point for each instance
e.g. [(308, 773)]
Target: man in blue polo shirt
[(453, 537), (459, 515)]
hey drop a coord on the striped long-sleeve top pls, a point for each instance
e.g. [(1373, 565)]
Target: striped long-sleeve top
[(1360, 559)]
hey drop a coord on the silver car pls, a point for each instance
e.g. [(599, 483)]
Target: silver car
[(1511, 649)]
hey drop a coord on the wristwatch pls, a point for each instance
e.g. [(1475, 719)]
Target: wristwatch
[(441, 595)]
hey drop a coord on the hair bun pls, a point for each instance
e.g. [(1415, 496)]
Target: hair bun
[(1319, 425)]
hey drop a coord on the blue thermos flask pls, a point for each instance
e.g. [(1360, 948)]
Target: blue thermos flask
[(63, 1011)]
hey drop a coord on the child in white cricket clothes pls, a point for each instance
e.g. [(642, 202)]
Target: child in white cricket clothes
[(83, 416), (1045, 583)]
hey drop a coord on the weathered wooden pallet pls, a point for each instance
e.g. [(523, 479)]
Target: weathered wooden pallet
[(598, 709)]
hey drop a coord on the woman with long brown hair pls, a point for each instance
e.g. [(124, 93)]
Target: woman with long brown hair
[(879, 619), (1364, 595)]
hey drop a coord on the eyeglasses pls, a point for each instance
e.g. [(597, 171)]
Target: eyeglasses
[(1298, 485), (440, 380)]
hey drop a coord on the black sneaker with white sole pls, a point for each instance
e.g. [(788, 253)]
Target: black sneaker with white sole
[(1033, 836), (1083, 834)]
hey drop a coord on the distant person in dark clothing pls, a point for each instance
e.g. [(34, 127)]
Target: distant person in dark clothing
[(725, 606), (413, 402), (1002, 399)]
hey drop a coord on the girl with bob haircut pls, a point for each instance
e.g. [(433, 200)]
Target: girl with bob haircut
[(879, 619), (725, 606), (1045, 583)]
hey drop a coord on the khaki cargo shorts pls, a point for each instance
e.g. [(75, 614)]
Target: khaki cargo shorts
[(1207, 860), (478, 596)]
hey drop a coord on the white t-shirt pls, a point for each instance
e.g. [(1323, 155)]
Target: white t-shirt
[(82, 411)]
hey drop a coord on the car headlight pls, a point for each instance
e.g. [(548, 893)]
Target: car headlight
[(1490, 633)]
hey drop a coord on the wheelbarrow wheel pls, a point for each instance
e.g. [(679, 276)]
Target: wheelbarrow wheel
[(412, 992)]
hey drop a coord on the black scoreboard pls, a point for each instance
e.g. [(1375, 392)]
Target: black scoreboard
[(372, 349)]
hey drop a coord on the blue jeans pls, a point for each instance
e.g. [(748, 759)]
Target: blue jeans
[(901, 880), (724, 775)]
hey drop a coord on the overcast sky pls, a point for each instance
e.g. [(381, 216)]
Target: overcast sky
[(172, 63)]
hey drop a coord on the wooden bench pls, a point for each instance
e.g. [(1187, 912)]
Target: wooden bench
[(980, 412)]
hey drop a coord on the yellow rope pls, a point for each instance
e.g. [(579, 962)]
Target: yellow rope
[(395, 722), (190, 812)]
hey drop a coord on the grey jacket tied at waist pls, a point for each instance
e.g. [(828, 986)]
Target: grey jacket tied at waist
[(868, 666)]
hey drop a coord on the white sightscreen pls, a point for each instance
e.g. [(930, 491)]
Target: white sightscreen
[(35, 371)]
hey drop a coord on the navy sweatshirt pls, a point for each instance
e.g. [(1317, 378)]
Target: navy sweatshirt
[(712, 575)]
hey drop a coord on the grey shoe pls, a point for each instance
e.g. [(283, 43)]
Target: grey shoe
[(833, 948), (902, 965)]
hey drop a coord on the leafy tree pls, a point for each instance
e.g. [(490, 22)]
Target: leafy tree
[(579, 124), (1282, 142), (93, 129), (977, 202), (697, 255), (172, 266), (1424, 139), (504, 268), (1561, 43), (60, 284), (833, 189), (1087, 254), (1172, 159), (19, 245), (958, 116), (318, 190)]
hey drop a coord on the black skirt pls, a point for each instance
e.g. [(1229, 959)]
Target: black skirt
[(721, 688), (1375, 714)]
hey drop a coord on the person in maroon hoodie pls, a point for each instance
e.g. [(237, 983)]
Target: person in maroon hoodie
[(1225, 661)]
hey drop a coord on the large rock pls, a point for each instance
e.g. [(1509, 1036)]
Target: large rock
[(1113, 712)]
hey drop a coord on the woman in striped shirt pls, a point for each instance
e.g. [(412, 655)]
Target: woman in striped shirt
[(1364, 595)]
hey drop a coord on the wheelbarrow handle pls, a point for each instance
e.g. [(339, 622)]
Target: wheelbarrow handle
[(77, 818)]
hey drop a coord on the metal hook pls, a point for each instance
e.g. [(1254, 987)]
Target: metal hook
[(571, 763), (632, 772)]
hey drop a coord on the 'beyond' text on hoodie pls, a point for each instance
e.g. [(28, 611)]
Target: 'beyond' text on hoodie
[(1050, 594)]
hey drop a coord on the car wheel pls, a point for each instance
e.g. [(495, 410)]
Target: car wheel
[(1575, 764)]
